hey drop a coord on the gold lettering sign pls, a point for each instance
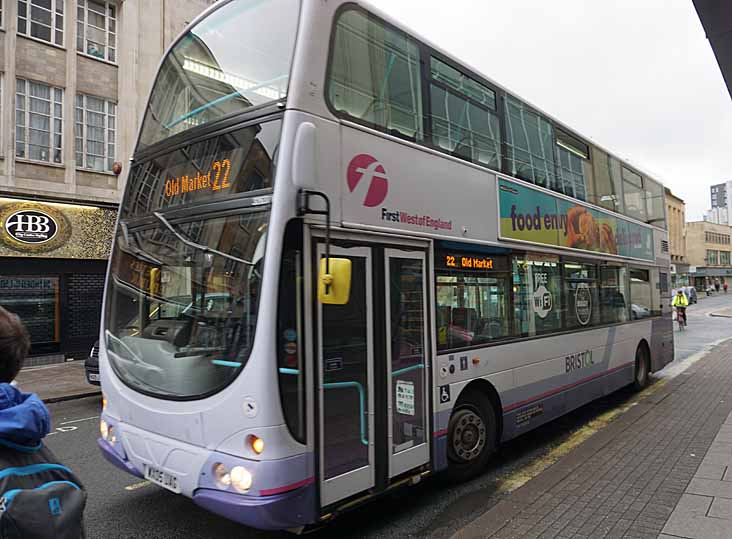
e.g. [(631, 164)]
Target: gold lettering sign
[(216, 179)]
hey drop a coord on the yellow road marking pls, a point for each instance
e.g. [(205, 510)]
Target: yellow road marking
[(522, 476), (137, 485)]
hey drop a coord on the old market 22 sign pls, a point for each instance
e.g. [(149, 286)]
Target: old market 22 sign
[(33, 228)]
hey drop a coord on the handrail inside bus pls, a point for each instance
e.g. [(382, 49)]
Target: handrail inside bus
[(357, 385)]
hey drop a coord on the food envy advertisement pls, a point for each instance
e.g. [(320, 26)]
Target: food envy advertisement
[(528, 214)]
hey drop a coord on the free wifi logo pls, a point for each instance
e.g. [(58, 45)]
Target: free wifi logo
[(364, 168)]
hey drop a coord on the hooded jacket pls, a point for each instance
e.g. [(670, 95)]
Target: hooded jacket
[(24, 419)]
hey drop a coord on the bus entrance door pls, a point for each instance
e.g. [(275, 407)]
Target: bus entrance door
[(373, 363)]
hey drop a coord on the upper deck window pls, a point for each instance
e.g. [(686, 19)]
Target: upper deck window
[(463, 118), (530, 141), (237, 58), (375, 75)]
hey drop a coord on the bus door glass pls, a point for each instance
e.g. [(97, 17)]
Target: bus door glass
[(346, 389), (406, 325)]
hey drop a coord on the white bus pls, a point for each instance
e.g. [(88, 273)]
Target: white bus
[(345, 261)]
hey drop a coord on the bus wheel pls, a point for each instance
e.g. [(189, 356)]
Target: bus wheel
[(642, 368), (471, 438)]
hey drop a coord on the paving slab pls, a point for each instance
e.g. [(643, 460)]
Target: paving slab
[(54, 383), (637, 469)]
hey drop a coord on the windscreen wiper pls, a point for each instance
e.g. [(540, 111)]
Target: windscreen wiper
[(136, 249), (204, 248)]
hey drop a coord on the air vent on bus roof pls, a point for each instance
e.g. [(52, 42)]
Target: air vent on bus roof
[(664, 246)]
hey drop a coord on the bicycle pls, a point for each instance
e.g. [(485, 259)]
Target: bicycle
[(681, 317)]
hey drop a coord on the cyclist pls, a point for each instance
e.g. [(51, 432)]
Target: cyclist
[(681, 303)]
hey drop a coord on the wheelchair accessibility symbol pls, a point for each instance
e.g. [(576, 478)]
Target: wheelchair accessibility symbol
[(444, 394)]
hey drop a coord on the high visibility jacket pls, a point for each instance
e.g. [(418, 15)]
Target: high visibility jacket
[(680, 300)]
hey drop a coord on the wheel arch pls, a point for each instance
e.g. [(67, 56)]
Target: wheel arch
[(483, 386)]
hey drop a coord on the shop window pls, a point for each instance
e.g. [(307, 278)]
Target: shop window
[(35, 300), (613, 294), (375, 75), (712, 257), (96, 29), (581, 296), (472, 307), (42, 19), (536, 295), (530, 144), (640, 294)]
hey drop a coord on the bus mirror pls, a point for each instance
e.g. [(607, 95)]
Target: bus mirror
[(304, 162), (334, 285)]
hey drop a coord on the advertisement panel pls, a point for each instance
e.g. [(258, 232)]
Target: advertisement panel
[(531, 215)]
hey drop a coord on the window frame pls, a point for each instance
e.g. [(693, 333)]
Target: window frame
[(26, 113), (82, 30), (109, 160), (56, 11)]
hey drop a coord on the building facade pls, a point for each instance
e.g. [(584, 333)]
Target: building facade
[(709, 251), (676, 218), (74, 79), (721, 200)]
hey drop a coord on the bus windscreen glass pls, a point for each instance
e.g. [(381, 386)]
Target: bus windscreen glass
[(182, 302), (236, 58)]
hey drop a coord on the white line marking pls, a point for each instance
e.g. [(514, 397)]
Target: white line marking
[(79, 420), (137, 485)]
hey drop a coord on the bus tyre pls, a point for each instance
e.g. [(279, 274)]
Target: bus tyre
[(642, 368), (471, 436)]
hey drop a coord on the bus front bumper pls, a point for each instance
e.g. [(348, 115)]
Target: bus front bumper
[(277, 511), (292, 509)]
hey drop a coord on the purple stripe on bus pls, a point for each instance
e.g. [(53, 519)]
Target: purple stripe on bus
[(564, 388), (286, 488)]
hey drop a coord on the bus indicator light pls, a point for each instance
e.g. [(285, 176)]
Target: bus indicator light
[(257, 444)]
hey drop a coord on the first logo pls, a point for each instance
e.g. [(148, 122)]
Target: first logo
[(367, 169)]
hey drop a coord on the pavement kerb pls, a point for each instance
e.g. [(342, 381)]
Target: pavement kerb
[(64, 398), (498, 516)]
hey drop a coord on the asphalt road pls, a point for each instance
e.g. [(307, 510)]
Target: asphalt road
[(123, 506)]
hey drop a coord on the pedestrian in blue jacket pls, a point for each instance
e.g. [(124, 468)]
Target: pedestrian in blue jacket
[(39, 496)]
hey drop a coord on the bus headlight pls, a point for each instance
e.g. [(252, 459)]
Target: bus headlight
[(241, 479), (103, 429), (221, 474)]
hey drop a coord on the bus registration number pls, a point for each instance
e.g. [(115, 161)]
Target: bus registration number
[(164, 479)]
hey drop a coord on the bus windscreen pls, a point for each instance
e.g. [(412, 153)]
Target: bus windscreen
[(236, 58)]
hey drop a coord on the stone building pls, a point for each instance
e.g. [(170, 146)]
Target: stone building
[(74, 79), (709, 251), (676, 218)]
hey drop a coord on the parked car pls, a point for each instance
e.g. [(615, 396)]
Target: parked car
[(91, 365)]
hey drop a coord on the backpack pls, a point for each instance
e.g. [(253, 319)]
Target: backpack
[(40, 498)]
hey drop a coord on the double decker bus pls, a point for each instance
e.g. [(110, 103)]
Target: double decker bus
[(345, 261)]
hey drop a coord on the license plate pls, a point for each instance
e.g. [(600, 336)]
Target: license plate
[(163, 479), (93, 377)]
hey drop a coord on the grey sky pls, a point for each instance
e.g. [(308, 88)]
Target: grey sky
[(636, 76)]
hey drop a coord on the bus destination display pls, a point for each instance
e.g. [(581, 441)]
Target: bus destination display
[(459, 261), (216, 179)]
